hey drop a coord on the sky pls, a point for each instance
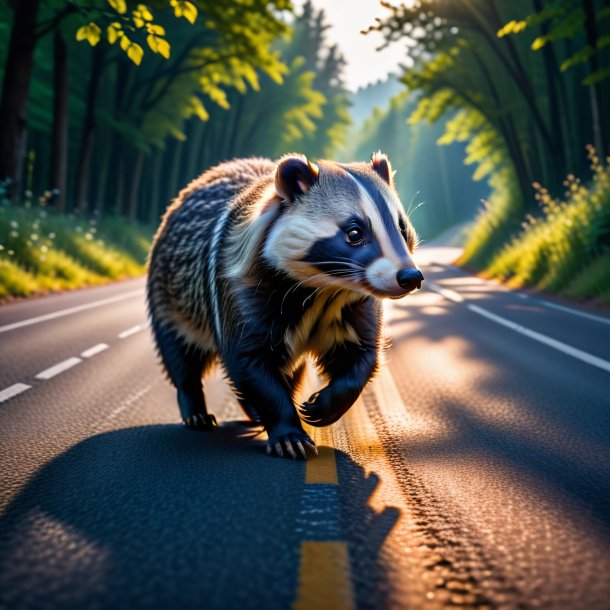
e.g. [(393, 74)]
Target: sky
[(364, 64)]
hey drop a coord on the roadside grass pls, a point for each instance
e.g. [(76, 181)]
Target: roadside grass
[(494, 224), (565, 250), (41, 251)]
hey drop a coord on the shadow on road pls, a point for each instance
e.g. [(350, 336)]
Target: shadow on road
[(158, 516), (510, 401)]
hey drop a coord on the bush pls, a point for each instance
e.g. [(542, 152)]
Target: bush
[(41, 250), (494, 224), (567, 249)]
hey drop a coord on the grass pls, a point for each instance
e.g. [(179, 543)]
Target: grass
[(494, 224), (566, 249), (41, 251)]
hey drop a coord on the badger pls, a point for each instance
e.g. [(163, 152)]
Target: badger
[(262, 264)]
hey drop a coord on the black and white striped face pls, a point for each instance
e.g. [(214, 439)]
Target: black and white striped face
[(343, 226)]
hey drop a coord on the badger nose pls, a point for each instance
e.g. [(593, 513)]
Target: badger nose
[(410, 279)]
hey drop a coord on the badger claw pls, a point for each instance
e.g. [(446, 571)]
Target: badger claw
[(319, 410), (290, 450), (312, 446), (291, 444), (200, 421)]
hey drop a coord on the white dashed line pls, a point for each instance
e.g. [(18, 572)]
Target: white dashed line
[(58, 368), (13, 390), (70, 310), (96, 349), (558, 345), (130, 331)]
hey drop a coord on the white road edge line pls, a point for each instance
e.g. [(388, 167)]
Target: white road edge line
[(96, 349), (130, 331), (58, 368), (558, 345), (13, 390), (524, 295), (70, 310), (574, 312), (450, 295)]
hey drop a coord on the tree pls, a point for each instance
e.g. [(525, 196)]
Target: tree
[(15, 88), (130, 26)]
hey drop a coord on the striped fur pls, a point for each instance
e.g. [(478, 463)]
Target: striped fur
[(252, 265)]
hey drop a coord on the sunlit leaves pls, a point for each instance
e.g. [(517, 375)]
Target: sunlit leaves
[(539, 43), (197, 108), (120, 6), (114, 31), (124, 28), (512, 27), (158, 45), (183, 8), (135, 52), (141, 15), (90, 32), (155, 29)]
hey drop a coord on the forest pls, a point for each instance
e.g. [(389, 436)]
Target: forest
[(498, 114)]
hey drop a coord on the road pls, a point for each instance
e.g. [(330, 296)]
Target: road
[(473, 473)]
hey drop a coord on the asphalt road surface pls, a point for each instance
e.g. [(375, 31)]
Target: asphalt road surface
[(473, 473)]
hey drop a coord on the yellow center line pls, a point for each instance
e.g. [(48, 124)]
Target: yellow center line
[(323, 468), (325, 580), (324, 577)]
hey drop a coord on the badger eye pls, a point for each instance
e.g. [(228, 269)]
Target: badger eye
[(403, 229), (355, 236)]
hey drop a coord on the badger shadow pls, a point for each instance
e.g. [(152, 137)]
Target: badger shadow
[(162, 517)]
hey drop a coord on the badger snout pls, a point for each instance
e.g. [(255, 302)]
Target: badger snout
[(409, 279), (385, 280)]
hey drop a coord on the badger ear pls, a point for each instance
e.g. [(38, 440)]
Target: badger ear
[(381, 164), (294, 176)]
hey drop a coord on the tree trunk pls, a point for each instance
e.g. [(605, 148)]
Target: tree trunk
[(88, 132), (552, 79), (157, 201), (594, 94), (136, 177), (59, 154), (17, 74), (516, 69), (104, 153), (196, 136), (174, 183)]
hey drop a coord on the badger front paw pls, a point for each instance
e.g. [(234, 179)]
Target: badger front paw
[(200, 421), (322, 409), (292, 443)]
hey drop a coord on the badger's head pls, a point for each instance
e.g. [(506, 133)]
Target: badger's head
[(342, 226)]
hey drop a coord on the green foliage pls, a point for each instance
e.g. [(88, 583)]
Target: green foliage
[(566, 248), (565, 21), (121, 20), (510, 76), (437, 193), (42, 251), (305, 112), (495, 222)]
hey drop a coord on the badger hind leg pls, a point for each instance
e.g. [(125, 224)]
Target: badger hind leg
[(186, 364)]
